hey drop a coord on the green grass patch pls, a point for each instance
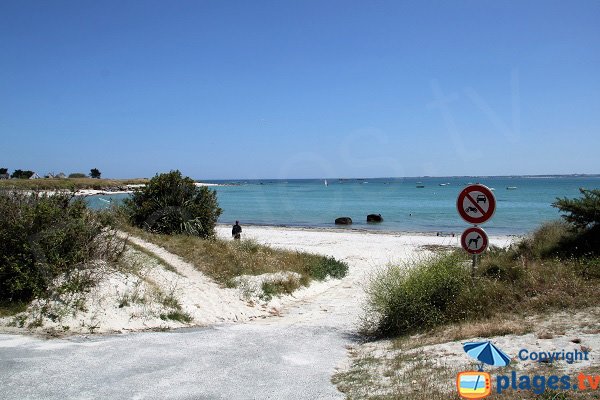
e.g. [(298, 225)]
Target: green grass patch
[(176, 315)]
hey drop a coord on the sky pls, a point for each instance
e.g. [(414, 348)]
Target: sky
[(300, 89)]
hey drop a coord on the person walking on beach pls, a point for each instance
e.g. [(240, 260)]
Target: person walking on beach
[(236, 232)]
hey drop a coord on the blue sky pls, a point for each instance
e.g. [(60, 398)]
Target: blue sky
[(292, 89)]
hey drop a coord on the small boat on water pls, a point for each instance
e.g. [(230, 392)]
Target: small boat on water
[(325, 182), (420, 185), (444, 184), (511, 187)]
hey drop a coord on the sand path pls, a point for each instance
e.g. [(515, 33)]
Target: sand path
[(288, 357)]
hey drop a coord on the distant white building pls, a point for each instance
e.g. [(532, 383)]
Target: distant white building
[(4, 176), (60, 175), (35, 176)]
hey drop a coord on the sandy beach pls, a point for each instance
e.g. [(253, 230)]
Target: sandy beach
[(295, 342), (208, 303)]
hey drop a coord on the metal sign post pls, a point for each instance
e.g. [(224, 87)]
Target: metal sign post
[(476, 204)]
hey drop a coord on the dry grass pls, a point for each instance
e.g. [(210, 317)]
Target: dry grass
[(497, 326), (403, 369), (225, 260), (397, 375), (68, 183), (514, 291), (542, 285)]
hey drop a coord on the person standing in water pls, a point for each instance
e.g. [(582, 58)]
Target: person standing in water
[(236, 231)]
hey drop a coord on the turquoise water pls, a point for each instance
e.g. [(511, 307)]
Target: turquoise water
[(403, 206)]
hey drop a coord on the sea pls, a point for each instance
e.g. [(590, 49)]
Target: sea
[(422, 204)]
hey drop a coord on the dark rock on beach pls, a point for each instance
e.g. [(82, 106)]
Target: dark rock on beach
[(343, 221), (374, 218)]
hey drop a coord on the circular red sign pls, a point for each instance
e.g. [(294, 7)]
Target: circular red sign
[(476, 204), (474, 240)]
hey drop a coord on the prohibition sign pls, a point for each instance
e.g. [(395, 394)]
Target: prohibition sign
[(476, 204), (474, 240)]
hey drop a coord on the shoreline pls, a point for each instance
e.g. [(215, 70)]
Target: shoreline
[(341, 230), (107, 191)]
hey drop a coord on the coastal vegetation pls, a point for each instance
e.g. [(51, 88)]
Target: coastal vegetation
[(51, 245), (95, 173), (53, 248), (172, 212), (224, 261), (557, 267), (69, 184), (20, 174), (170, 204), (554, 271)]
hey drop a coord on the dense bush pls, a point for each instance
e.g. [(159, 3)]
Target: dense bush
[(20, 174), (535, 275), (171, 203), (45, 237), (77, 175), (95, 173), (402, 298), (583, 212), (583, 215)]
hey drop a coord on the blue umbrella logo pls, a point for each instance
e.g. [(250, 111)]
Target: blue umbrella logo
[(486, 353)]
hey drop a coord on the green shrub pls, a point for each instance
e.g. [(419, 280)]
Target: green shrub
[(583, 212), (77, 175), (408, 297), (95, 173), (171, 203), (20, 174), (43, 237), (532, 276), (328, 266)]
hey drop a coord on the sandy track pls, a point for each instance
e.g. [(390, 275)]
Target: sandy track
[(288, 357), (203, 299)]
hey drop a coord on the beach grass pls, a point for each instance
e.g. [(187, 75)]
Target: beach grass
[(225, 260), (68, 183), (528, 288), (412, 298)]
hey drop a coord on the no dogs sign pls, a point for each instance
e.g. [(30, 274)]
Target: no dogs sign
[(476, 204), (474, 240)]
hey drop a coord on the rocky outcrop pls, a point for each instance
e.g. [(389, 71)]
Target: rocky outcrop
[(374, 218), (343, 221)]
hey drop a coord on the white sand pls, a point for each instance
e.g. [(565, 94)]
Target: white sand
[(333, 302), (338, 303)]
